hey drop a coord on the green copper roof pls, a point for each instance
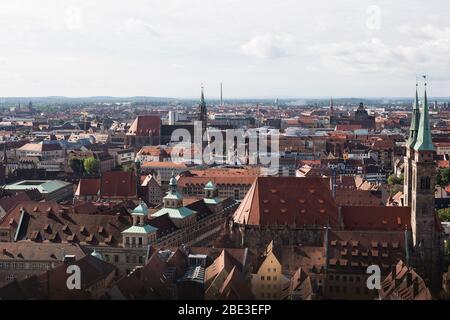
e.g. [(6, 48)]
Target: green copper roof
[(211, 201), (210, 186), (423, 141), (415, 118), (141, 229), (179, 213), (173, 195), (140, 210)]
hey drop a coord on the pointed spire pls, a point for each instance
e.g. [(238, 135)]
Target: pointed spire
[(202, 97), (202, 107), (424, 142), (415, 118)]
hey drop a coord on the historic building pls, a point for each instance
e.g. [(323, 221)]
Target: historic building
[(419, 189), (335, 244), (145, 130)]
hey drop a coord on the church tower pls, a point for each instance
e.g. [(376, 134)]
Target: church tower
[(412, 137), (425, 235), (202, 112)]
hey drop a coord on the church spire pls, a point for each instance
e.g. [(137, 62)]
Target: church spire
[(424, 142), (415, 118), (202, 113)]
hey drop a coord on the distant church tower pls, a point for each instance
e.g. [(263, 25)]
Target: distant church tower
[(420, 186), (202, 112), (203, 117)]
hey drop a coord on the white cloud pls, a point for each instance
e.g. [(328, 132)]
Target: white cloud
[(268, 46), (137, 25), (427, 51)]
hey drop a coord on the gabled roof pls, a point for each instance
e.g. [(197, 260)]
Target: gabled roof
[(288, 200), (145, 125), (235, 287), (88, 187)]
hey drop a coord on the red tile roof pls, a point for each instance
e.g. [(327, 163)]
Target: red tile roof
[(145, 125), (376, 218), (287, 200), (118, 184), (88, 187)]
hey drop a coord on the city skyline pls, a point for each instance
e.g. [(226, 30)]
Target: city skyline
[(167, 49)]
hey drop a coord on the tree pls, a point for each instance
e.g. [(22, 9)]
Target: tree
[(393, 180), (128, 168), (91, 166), (77, 166), (443, 178), (444, 214), (445, 175)]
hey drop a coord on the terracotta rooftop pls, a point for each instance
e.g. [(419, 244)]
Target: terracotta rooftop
[(145, 125), (50, 222), (88, 187), (287, 200), (118, 184), (403, 283), (348, 197), (376, 218)]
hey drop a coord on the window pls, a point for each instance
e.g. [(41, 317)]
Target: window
[(127, 259), (275, 278), (268, 278), (10, 277), (116, 258), (262, 277), (140, 241), (141, 259)]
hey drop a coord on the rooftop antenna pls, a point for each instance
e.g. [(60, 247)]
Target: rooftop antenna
[(221, 95)]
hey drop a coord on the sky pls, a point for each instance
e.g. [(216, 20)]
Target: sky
[(257, 48)]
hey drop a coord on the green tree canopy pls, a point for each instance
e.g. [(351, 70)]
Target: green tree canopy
[(91, 166), (443, 177), (444, 214), (77, 166)]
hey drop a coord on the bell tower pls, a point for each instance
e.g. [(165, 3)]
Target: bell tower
[(425, 234)]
